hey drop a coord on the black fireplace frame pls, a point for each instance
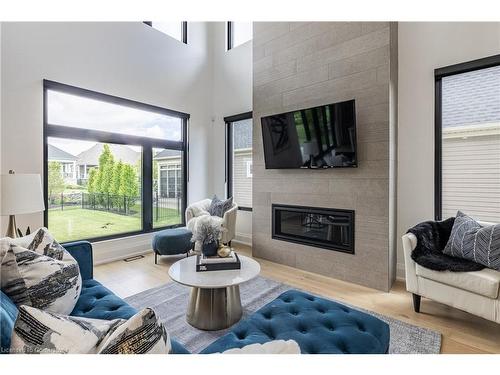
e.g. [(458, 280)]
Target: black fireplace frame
[(311, 242)]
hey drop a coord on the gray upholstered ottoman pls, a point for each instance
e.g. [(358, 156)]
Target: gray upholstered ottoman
[(171, 242)]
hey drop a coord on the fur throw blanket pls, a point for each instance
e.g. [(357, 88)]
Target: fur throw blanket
[(432, 237)]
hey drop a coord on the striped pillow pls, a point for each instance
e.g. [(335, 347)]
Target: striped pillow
[(469, 240)]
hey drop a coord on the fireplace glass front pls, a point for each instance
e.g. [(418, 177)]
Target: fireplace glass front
[(328, 228)]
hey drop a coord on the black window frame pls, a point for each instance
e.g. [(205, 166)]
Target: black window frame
[(230, 40), (147, 144), (439, 74), (184, 30), (229, 151)]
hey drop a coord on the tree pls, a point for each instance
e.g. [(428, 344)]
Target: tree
[(128, 184), (92, 183), (56, 181), (107, 179), (104, 173), (116, 179)]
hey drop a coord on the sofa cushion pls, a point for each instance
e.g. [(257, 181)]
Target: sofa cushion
[(98, 302), (37, 331), (485, 282), (318, 325), (38, 272), (8, 315)]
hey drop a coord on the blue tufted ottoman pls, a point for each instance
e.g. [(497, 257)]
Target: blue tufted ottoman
[(171, 242), (98, 302), (318, 325)]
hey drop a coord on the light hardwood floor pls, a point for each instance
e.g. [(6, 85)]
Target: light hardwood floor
[(462, 332)]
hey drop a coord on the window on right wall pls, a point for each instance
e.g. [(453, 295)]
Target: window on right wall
[(238, 33), (468, 140), (177, 30), (239, 159)]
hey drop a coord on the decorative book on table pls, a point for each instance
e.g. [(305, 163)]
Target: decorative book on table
[(216, 263)]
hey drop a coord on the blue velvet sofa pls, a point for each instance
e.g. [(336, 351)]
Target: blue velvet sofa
[(318, 325)]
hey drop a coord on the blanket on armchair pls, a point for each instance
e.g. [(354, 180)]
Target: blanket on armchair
[(432, 237)]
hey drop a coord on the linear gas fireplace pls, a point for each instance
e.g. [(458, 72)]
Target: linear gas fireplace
[(327, 228)]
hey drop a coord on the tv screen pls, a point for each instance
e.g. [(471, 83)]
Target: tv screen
[(319, 137)]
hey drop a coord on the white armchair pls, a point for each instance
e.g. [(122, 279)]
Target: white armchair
[(200, 208), (475, 292)]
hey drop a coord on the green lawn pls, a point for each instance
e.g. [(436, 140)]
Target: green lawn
[(74, 223)]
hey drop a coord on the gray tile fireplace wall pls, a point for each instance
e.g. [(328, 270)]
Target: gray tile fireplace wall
[(300, 65)]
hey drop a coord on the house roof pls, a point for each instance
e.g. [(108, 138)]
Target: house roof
[(242, 134), (55, 153), (472, 98), (167, 154), (120, 152)]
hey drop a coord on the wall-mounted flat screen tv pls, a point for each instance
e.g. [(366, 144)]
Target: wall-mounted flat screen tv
[(319, 137)]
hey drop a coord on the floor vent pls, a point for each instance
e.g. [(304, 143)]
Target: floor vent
[(131, 259)]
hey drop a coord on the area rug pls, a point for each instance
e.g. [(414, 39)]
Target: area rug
[(170, 302)]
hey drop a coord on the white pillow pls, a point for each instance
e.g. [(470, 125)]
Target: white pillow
[(37, 271), (41, 332), (271, 347)]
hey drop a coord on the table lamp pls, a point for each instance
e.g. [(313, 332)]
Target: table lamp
[(21, 194)]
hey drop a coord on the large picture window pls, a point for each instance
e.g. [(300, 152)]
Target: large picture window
[(239, 159), (468, 140), (113, 166)]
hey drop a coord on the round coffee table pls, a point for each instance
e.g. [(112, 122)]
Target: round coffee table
[(215, 301)]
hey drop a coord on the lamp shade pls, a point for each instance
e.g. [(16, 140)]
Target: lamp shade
[(21, 194)]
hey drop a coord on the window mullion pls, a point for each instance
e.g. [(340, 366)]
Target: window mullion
[(147, 188)]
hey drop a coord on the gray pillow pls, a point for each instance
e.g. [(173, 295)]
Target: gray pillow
[(218, 207), (469, 240)]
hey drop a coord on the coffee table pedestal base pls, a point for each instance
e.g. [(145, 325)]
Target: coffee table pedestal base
[(214, 309)]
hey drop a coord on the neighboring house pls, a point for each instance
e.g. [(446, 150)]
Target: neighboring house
[(67, 161), (471, 144), (90, 158), (169, 166)]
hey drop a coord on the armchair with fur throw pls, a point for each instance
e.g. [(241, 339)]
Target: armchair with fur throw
[(228, 222)]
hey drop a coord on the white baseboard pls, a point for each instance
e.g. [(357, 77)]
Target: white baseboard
[(243, 238), (400, 271), (121, 248)]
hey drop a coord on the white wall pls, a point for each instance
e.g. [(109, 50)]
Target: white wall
[(424, 47), (232, 95), (130, 60), (1, 129)]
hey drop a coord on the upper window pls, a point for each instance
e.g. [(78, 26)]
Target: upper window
[(113, 166), (239, 159), (468, 140), (177, 30), (238, 33), (90, 113)]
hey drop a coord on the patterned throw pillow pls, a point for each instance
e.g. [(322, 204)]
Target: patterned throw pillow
[(218, 207), (37, 271), (37, 331), (470, 240), (270, 347)]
